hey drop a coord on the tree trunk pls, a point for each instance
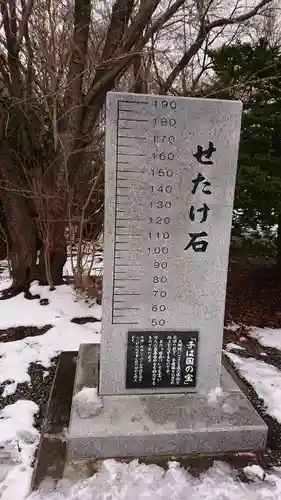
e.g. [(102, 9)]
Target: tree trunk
[(52, 259), (23, 252), (278, 247), (21, 229), (22, 263), (57, 261)]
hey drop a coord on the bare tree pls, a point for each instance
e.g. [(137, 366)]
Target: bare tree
[(58, 59)]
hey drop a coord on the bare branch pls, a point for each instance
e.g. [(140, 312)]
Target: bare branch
[(157, 25), (26, 12), (5, 72), (13, 20), (82, 16), (121, 14), (239, 19), (201, 36), (132, 34), (24, 31), (11, 41)]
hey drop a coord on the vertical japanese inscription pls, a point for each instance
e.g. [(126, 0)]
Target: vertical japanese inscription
[(161, 359), (198, 241)]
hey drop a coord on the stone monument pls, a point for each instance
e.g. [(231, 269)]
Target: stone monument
[(170, 171)]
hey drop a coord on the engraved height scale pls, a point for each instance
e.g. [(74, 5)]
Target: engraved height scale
[(169, 184)]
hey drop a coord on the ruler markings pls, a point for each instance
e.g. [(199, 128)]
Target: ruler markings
[(127, 279), (126, 265), (127, 308), (133, 102), (133, 119), (130, 154), (123, 294), (114, 245), (131, 137), (122, 191), (134, 323), (137, 171)]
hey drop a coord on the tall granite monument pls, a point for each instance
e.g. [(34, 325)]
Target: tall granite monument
[(170, 171)]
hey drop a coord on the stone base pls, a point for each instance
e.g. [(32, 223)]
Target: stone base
[(162, 425)]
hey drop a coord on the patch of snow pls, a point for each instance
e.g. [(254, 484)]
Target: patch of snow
[(87, 403), (267, 337), (18, 440), (16, 423), (230, 346), (18, 437), (10, 388), (16, 482), (18, 311), (16, 357), (95, 267), (215, 395), (255, 472), (121, 481), (265, 380), (232, 326)]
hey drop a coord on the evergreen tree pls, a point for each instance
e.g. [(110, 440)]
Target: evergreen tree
[(252, 73)]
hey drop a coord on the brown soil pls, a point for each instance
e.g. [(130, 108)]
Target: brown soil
[(253, 296), (21, 332)]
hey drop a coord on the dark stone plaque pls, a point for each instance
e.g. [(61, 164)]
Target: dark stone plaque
[(161, 359)]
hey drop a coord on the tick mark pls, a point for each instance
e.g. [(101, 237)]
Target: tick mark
[(132, 119), (130, 154), (130, 137), (133, 102), (126, 308)]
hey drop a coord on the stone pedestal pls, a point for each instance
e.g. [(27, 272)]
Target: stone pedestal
[(162, 425)]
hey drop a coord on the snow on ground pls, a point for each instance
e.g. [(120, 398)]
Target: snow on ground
[(115, 480), (232, 326), (230, 346), (63, 304), (16, 357), (18, 442), (267, 337), (120, 481), (265, 380), (18, 436), (95, 267)]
